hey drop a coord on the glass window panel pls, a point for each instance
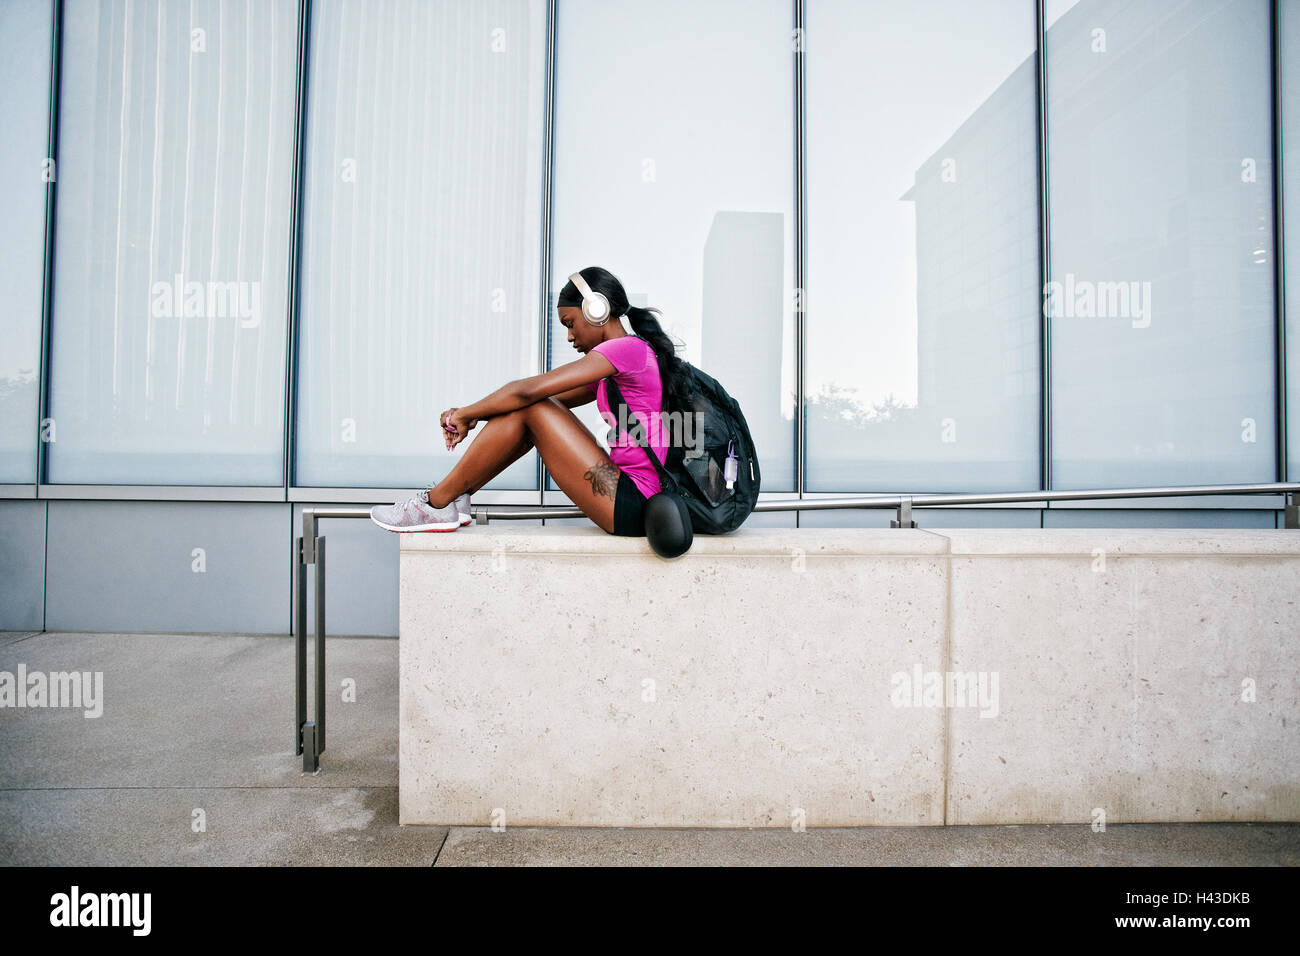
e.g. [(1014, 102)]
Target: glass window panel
[(674, 170), (923, 268), (175, 171), (1161, 302), (1289, 56), (422, 232), (25, 27)]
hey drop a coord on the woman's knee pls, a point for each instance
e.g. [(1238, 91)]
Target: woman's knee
[(518, 415), (545, 409), (547, 405)]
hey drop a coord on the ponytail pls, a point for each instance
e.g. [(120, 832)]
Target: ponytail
[(672, 370)]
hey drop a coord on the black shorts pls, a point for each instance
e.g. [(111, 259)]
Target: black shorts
[(629, 508)]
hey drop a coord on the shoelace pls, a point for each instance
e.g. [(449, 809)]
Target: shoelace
[(421, 498)]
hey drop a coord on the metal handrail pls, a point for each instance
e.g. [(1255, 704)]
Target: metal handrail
[(309, 735)]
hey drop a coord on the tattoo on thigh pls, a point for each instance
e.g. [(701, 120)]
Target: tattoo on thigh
[(603, 478)]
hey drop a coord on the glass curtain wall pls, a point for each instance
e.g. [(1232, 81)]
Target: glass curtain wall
[(673, 166), (1288, 44), (1161, 242), (421, 257), (25, 33), (176, 133), (922, 369), (674, 170)]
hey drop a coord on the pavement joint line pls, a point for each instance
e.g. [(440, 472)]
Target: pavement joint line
[(25, 637), (440, 846)]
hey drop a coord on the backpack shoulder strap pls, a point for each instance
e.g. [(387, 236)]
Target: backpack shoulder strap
[(612, 392)]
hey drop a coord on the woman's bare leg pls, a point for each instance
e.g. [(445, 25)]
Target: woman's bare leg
[(575, 460), (502, 442), (525, 445)]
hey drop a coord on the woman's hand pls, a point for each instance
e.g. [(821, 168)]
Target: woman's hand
[(456, 427)]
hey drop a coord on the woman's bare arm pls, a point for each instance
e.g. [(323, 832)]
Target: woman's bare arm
[(581, 395), (567, 379)]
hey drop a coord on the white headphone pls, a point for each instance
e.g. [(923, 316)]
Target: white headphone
[(595, 307)]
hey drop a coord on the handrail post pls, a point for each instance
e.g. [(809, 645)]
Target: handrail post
[(904, 518), (1292, 512), (309, 735), (300, 643), (320, 646)]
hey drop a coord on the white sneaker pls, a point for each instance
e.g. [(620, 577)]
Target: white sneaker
[(462, 506), (416, 514)]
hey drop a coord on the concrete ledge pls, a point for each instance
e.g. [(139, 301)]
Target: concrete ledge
[(560, 676), (1122, 657)]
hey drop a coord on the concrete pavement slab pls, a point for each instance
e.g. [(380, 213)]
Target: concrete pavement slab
[(256, 826), (182, 710), (1205, 844), (204, 723), (13, 637)]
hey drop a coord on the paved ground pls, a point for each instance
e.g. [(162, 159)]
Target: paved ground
[(192, 762)]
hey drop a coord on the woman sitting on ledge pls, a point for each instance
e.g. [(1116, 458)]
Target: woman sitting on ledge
[(611, 489)]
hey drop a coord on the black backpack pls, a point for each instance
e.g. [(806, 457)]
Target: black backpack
[(700, 478)]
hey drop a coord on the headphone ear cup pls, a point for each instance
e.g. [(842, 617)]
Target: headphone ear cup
[(595, 309), (595, 305)]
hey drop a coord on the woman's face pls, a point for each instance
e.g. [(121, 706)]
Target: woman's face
[(582, 334)]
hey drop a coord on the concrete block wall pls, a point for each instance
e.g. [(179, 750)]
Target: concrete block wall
[(781, 677)]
